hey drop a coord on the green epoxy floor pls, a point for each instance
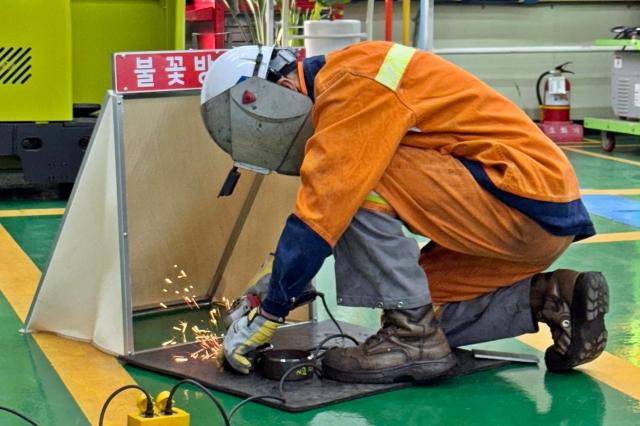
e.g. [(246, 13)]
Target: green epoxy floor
[(513, 396), (29, 384)]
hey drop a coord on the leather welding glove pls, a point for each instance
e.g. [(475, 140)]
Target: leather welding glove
[(246, 335)]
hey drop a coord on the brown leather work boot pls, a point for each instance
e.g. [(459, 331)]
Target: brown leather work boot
[(403, 349), (573, 304)]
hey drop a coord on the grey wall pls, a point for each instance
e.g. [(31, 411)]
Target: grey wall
[(514, 75)]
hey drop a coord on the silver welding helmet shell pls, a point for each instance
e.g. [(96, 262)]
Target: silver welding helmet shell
[(263, 126)]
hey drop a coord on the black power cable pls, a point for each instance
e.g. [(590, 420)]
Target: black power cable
[(623, 32), (168, 409), (333, 336), (311, 365), (240, 404), (226, 417), (148, 412), (326, 308), (291, 370), (22, 416)]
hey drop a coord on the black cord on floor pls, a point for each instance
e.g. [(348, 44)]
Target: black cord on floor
[(291, 370), (326, 308), (22, 416), (227, 418), (240, 404), (148, 412), (333, 336), (203, 389)]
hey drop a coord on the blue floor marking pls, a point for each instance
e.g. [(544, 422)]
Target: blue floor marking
[(615, 208)]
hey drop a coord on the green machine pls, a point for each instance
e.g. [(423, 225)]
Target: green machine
[(625, 89), (55, 66)]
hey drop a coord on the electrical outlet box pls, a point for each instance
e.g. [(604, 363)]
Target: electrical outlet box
[(178, 418)]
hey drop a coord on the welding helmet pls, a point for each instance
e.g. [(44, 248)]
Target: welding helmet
[(261, 125)]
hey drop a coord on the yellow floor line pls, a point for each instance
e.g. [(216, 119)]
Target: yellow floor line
[(612, 237), (605, 157), (577, 145), (90, 375), (627, 145), (31, 212), (597, 142), (607, 368), (628, 191), (621, 146)]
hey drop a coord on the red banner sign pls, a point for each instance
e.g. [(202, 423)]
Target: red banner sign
[(141, 72)]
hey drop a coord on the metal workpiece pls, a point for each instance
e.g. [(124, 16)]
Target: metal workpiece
[(274, 364)]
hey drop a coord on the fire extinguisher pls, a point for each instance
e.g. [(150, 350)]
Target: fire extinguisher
[(555, 104)]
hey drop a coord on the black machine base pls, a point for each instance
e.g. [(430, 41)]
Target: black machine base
[(301, 395), (48, 152)]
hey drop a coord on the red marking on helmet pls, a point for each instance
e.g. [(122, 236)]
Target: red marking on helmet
[(248, 97)]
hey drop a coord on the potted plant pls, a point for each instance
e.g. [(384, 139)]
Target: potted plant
[(324, 28), (250, 18), (298, 14), (328, 10)]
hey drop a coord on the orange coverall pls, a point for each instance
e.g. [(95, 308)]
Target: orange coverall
[(456, 161)]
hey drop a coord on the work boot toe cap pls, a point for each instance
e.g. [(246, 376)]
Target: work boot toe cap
[(340, 359)]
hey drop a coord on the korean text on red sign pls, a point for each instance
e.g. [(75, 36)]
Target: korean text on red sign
[(139, 72)]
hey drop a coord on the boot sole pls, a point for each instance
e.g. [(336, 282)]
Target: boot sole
[(589, 336), (415, 371)]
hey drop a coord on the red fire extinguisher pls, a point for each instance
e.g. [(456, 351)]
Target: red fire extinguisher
[(555, 106)]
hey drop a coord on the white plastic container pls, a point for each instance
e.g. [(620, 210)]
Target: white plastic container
[(325, 36)]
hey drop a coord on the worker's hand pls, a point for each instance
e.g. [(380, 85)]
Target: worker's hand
[(246, 335)]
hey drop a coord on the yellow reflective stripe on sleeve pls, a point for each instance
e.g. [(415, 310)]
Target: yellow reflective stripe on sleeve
[(394, 65), (375, 198)]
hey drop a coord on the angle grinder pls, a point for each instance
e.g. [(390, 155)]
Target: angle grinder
[(274, 363), (245, 303), (257, 290)]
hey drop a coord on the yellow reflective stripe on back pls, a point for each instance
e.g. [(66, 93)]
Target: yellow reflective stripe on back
[(375, 198), (394, 65)]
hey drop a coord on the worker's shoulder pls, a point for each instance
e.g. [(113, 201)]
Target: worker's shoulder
[(366, 58), (362, 59), (362, 49)]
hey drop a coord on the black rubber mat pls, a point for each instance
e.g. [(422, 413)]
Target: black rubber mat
[(300, 395)]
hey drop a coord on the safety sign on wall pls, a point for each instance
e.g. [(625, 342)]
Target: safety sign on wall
[(140, 72)]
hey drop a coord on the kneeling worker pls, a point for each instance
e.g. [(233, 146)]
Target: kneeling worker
[(402, 137)]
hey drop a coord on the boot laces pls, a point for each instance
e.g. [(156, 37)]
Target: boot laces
[(385, 332)]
